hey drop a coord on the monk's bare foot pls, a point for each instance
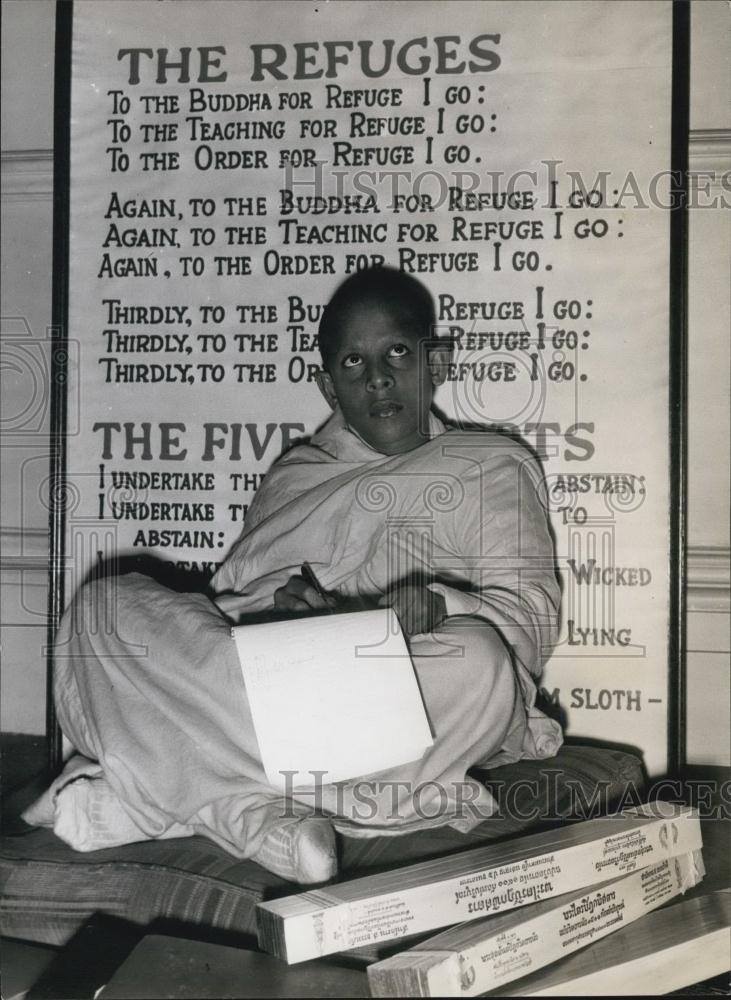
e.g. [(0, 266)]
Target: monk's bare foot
[(300, 850)]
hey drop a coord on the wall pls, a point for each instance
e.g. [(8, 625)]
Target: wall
[(25, 311), (27, 78)]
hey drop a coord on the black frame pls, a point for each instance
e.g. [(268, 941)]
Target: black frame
[(678, 375), (59, 359), (680, 118)]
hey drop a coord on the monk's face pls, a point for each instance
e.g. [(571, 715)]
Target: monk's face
[(381, 380)]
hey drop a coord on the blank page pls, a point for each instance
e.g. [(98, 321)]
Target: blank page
[(332, 693)]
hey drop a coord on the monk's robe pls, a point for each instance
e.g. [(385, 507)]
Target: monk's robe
[(159, 701)]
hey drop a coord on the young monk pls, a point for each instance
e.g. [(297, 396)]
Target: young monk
[(390, 508)]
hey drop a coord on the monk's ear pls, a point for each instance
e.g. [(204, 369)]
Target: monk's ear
[(439, 357), (326, 387)]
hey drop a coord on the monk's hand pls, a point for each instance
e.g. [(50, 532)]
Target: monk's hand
[(418, 608), (299, 595)]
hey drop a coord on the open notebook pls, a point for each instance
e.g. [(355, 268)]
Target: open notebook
[(332, 694)]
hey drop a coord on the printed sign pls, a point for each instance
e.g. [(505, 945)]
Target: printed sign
[(233, 162)]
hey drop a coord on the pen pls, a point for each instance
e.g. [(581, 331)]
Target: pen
[(309, 575)]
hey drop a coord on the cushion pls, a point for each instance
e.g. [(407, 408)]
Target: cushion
[(49, 891)]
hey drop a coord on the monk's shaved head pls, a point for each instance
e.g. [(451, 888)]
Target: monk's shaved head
[(405, 298), (381, 359)]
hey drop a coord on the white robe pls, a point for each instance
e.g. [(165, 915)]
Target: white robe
[(157, 696)]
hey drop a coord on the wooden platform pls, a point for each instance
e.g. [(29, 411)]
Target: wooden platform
[(93, 956)]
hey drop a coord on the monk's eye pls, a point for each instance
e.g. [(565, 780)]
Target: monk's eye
[(398, 351), (351, 360)]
